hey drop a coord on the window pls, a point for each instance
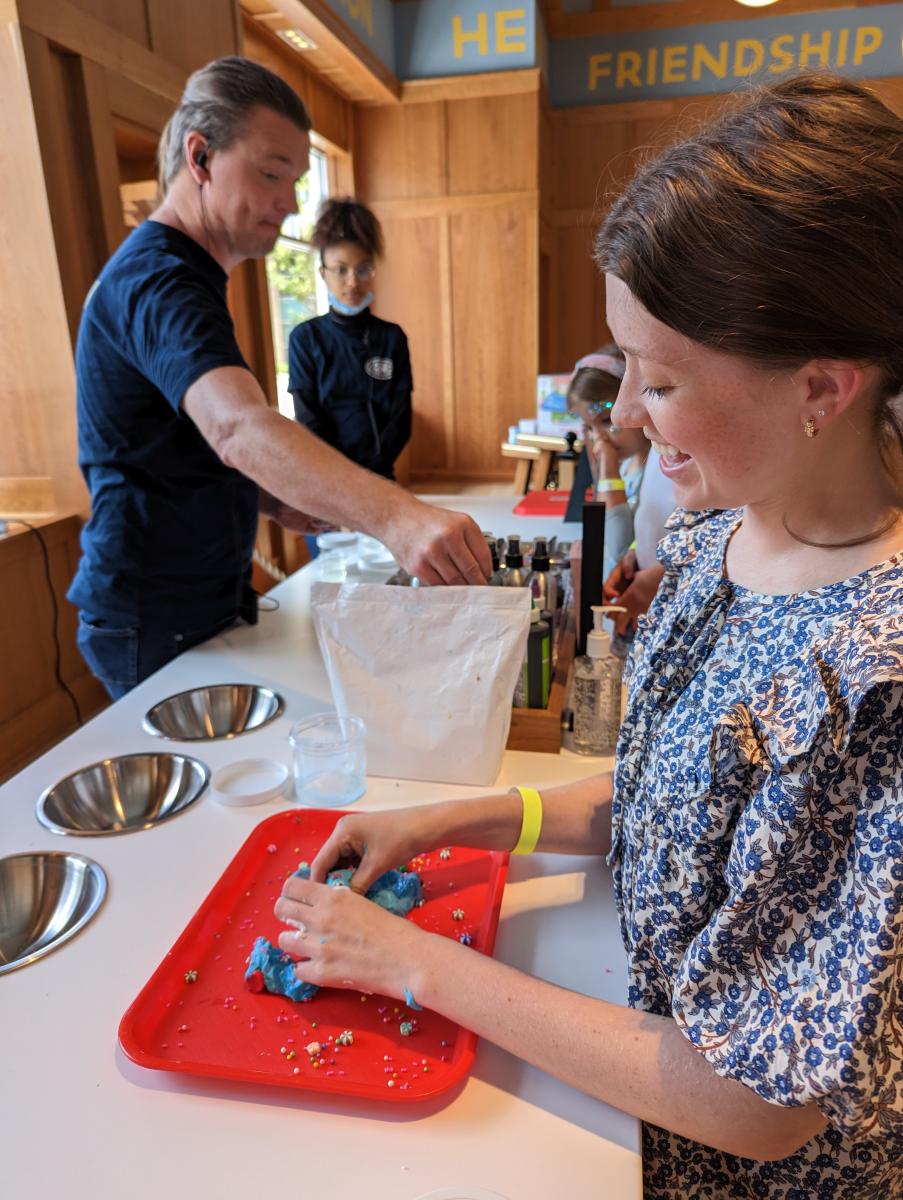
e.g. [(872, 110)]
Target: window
[(297, 292)]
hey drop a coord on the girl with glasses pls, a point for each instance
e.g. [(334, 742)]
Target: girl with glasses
[(350, 371)]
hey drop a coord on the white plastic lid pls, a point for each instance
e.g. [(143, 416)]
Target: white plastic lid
[(250, 781)]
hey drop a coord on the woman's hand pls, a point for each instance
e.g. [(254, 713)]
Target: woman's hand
[(633, 588), (377, 842), (620, 579), (347, 941), (608, 456)]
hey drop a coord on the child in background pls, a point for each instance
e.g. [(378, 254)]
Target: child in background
[(638, 498)]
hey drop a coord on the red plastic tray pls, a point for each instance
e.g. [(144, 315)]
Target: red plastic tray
[(544, 504), (216, 1027)]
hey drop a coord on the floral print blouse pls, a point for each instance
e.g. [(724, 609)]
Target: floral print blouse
[(757, 854)]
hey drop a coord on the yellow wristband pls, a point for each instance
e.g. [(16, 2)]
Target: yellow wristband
[(611, 485), (531, 826)]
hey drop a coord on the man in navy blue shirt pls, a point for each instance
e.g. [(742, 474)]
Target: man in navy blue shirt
[(176, 440)]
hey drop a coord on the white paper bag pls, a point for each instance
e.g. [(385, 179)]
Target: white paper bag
[(430, 670)]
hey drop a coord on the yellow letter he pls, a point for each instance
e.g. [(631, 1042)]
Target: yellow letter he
[(510, 38), (480, 35)]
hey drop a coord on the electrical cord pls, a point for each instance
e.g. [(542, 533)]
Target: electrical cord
[(56, 616)]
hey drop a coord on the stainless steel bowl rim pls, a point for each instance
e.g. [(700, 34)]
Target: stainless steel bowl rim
[(45, 820), (149, 727), (101, 886)]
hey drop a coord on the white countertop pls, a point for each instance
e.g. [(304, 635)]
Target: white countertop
[(76, 1116)]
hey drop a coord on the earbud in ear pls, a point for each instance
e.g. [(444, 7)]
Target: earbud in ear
[(200, 159)]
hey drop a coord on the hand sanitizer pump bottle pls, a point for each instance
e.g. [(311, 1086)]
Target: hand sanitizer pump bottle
[(597, 690)]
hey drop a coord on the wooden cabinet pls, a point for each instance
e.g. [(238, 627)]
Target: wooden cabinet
[(36, 568)]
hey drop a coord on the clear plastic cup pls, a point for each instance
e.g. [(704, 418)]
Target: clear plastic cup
[(338, 551), (332, 566), (329, 761)]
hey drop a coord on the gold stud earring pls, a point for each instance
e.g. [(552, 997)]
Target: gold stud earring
[(809, 428)]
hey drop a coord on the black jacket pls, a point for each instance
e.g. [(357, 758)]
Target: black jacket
[(351, 381)]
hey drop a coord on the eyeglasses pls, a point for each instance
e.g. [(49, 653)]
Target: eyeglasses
[(362, 273), (598, 408)]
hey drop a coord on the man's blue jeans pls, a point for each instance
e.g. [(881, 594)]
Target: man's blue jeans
[(122, 657)]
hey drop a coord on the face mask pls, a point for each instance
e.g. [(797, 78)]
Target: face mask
[(349, 310)]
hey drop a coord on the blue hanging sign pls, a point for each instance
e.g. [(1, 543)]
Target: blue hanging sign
[(373, 21), (702, 59), (462, 37)]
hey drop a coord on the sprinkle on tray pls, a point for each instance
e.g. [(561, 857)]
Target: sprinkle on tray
[(445, 853), (313, 1048), (457, 914), (191, 976), (465, 939), (406, 1028), (345, 1038)]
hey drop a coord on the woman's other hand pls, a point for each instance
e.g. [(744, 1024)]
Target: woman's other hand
[(620, 579), (376, 842)]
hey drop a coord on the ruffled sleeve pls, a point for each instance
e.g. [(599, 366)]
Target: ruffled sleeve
[(691, 539), (794, 987)]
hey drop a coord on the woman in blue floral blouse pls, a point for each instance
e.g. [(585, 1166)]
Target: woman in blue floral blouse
[(754, 825)]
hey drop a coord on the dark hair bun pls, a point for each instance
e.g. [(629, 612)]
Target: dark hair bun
[(343, 219)]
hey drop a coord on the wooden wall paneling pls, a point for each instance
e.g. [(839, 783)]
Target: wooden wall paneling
[(38, 411), (400, 151), (132, 104), (99, 155), (493, 144), (339, 169), (411, 291), (596, 152), (470, 87), (190, 35), (454, 460), (34, 711), (339, 55), (79, 163), (329, 111), (577, 307), (494, 289), (66, 26), (26, 495), (249, 305), (128, 17)]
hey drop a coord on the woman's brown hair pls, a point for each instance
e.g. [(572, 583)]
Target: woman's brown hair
[(343, 219), (776, 233)]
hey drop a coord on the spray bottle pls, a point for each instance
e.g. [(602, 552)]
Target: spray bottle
[(541, 582), (597, 689), (515, 575), (496, 578)]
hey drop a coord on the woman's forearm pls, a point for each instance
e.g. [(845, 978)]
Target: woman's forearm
[(576, 819), (633, 1060)]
